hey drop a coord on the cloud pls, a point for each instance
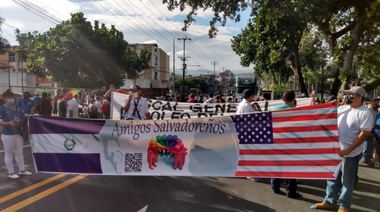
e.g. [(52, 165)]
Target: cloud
[(145, 21)]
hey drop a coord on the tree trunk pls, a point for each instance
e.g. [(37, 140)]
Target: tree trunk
[(335, 86), (349, 53), (299, 72)]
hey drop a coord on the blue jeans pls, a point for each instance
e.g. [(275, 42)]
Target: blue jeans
[(368, 148), (342, 187)]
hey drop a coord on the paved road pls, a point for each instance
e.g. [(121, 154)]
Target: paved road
[(60, 192)]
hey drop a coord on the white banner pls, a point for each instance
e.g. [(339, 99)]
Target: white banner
[(295, 143), (179, 110)]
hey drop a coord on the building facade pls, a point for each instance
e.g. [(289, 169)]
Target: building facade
[(154, 81), (13, 74)]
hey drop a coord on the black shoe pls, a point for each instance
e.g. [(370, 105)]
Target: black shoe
[(293, 195), (277, 191), (369, 163)]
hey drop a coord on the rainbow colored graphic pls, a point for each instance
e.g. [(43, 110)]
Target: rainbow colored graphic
[(166, 145)]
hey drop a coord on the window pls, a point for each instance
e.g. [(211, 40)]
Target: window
[(12, 59)]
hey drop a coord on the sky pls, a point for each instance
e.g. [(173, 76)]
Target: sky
[(141, 21)]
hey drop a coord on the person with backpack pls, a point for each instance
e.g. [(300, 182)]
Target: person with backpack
[(62, 106), (136, 106), (106, 108), (200, 99), (92, 109), (106, 103)]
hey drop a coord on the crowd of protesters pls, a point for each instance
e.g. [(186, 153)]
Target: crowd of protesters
[(356, 121)]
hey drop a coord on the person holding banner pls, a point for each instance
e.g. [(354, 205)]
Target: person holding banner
[(289, 98), (355, 122), (136, 106), (12, 116), (245, 107)]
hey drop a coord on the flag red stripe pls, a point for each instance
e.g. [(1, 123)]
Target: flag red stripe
[(310, 117), (289, 163), (289, 151), (285, 129), (306, 140), (304, 175)]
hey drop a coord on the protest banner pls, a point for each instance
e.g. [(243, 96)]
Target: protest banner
[(295, 143), (160, 109)]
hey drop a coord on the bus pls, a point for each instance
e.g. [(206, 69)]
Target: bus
[(244, 82)]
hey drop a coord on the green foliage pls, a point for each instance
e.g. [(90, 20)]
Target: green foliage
[(191, 82), (3, 42), (349, 29), (277, 40), (344, 74), (278, 88), (223, 11), (77, 54)]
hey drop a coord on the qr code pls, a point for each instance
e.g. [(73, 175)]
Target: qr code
[(133, 162)]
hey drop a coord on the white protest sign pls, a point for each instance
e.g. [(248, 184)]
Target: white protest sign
[(178, 110)]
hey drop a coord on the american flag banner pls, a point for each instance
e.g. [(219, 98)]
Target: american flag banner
[(294, 143), (297, 143)]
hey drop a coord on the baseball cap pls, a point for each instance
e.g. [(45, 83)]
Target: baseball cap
[(69, 95), (356, 90), (134, 88), (331, 98)]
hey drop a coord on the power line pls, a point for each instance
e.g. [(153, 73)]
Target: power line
[(195, 46), (36, 10), (143, 19), (214, 63), (136, 30)]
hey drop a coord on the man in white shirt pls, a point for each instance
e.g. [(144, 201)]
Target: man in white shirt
[(355, 122), (72, 106), (245, 105), (136, 106), (210, 99)]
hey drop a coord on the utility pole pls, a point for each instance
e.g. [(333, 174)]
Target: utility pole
[(214, 63), (183, 61), (173, 89)]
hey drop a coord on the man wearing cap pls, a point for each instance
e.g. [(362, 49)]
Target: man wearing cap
[(72, 106), (136, 106), (355, 122)]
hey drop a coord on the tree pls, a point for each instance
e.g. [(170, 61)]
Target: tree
[(191, 82), (278, 38), (3, 42), (345, 25), (77, 54)]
